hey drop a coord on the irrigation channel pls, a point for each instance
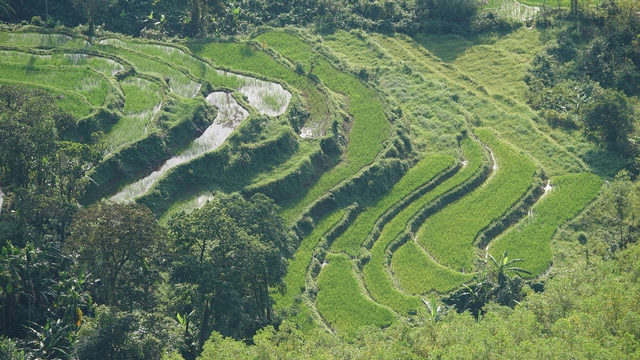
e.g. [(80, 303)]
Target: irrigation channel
[(230, 115)]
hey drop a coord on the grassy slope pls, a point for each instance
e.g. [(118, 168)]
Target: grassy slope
[(377, 278), (179, 83), (448, 235), (295, 279), (529, 239), (370, 126), (426, 104), (178, 57), (418, 273), (437, 97), (79, 80), (423, 172), (498, 63), (341, 301), (509, 117), (141, 95), (297, 269)]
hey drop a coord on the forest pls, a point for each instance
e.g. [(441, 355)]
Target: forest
[(319, 179)]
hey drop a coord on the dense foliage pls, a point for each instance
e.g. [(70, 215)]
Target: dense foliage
[(586, 311), (108, 282), (93, 283), (227, 255), (196, 18), (589, 78)]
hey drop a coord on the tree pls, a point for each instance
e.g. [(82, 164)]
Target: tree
[(621, 200), (29, 122), (112, 334), (90, 8), (33, 284), (199, 14), (448, 10), (507, 291), (5, 7), (122, 248), (41, 174), (609, 118), (574, 7), (227, 255)]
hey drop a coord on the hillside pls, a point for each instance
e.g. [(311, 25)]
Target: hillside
[(410, 173)]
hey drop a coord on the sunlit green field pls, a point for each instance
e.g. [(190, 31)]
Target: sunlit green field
[(459, 100)]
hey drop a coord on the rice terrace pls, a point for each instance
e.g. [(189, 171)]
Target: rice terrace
[(426, 181)]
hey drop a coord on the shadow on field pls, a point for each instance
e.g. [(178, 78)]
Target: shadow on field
[(603, 162), (450, 46)]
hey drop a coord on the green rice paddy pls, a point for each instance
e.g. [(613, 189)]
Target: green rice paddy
[(380, 281), (423, 172), (441, 89)]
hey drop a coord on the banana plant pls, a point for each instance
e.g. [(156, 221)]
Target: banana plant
[(52, 341), (436, 313), (503, 265)]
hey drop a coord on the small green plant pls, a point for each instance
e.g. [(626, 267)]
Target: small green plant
[(299, 67)]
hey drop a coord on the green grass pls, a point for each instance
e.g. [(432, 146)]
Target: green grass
[(306, 149), (71, 102), (141, 95), (421, 274), (376, 276), (508, 116), (426, 102), (129, 129), (423, 172), (41, 40), (106, 66), (179, 83), (355, 47), (529, 240), (448, 235), (75, 79), (243, 57), (370, 126), (341, 301), (178, 57), (142, 102)]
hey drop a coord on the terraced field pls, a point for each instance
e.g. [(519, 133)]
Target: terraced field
[(399, 162)]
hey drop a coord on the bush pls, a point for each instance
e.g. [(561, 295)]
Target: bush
[(609, 119)]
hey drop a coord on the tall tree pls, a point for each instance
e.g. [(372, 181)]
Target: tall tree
[(228, 254), (90, 8), (41, 174), (200, 13), (622, 205), (122, 248)]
